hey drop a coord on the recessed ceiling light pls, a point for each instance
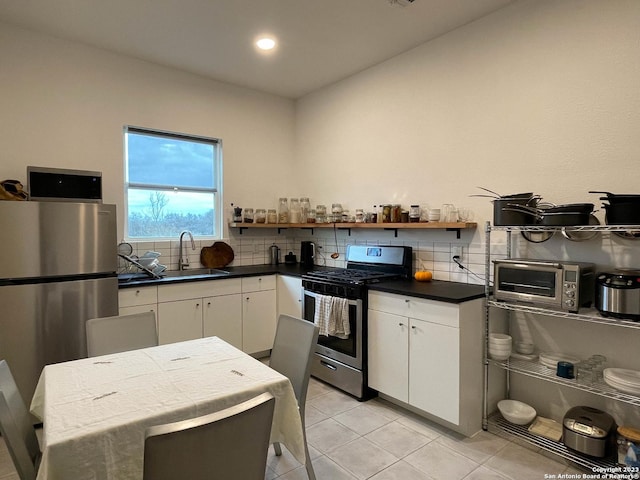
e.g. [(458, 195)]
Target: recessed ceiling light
[(266, 43)]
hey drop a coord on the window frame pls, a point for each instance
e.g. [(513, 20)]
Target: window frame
[(215, 190)]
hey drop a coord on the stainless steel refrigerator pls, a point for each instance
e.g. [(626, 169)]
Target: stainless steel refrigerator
[(57, 269)]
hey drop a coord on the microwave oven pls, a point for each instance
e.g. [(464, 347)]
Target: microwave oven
[(552, 284), (64, 185)]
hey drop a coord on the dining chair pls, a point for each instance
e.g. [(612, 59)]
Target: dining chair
[(16, 427), (229, 444), (291, 355), (121, 333)]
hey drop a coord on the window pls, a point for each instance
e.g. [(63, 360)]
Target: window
[(172, 183)]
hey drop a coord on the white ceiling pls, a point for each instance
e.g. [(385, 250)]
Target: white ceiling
[(320, 41)]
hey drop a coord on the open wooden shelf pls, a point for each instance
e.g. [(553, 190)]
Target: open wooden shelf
[(449, 226)]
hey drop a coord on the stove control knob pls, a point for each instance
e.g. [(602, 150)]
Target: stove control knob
[(570, 293), (569, 303)]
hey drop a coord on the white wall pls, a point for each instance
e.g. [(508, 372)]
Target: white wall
[(64, 105), (540, 96)]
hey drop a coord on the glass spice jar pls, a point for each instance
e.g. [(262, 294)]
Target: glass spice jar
[(272, 216), (359, 215), (248, 215)]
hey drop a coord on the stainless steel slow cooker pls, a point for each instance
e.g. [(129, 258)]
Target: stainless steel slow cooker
[(589, 430), (618, 294)]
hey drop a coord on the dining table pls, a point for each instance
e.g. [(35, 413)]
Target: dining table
[(95, 410)]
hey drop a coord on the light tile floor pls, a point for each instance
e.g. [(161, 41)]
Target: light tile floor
[(377, 440)]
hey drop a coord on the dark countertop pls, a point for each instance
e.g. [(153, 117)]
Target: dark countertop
[(450, 292)]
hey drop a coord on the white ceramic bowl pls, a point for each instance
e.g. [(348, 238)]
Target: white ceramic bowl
[(517, 412), (524, 347), (499, 356), (500, 339), (499, 348)]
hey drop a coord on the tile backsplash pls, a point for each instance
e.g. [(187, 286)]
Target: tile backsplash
[(432, 250)]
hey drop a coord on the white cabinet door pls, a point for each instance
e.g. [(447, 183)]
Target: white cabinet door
[(434, 366), (222, 318), (388, 354), (180, 320), (289, 296), (258, 320)]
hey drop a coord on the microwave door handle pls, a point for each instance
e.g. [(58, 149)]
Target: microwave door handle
[(540, 263)]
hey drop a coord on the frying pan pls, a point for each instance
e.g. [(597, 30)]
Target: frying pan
[(545, 217)]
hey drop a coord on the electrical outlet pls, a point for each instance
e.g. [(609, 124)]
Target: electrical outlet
[(456, 251)]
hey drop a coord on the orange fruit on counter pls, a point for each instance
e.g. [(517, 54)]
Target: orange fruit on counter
[(423, 276)]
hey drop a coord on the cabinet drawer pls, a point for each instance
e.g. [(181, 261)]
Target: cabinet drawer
[(129, 297), (257, 284), (389, 303), (420, 308), (189, 290), (434, 312)]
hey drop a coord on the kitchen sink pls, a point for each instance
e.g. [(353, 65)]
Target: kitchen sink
[(195, 272)]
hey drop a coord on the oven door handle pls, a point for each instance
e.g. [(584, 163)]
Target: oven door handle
[(316, 295)]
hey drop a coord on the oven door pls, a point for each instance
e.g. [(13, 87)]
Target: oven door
[(347, 351)]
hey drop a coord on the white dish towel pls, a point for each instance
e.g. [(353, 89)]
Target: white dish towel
[(339, 320), (332, 316)]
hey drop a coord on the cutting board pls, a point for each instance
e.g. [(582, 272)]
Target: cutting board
[(217, 255)]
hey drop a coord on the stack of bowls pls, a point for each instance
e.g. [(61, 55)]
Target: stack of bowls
[(499, 346)]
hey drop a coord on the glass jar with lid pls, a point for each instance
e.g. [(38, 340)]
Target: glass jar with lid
[(414, 213), (386, 213), (283, 210), (396, 211), (359, 215), (294, 210), (336, 212), (272, 216), (261, 215), (305, 206), (311, 216), (321, 214), (248, 215)]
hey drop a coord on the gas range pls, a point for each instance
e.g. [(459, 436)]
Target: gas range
[(365, 265), (352, 276)]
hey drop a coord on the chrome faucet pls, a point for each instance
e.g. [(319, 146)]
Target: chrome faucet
[(183, 263)]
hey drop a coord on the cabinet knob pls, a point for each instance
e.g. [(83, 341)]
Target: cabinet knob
[(208, 304), (413, 327), (247, 299), (197, 305), (406, 300), (401, 324), (137, 292)]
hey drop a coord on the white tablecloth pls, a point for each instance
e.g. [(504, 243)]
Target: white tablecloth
[(95, 410)]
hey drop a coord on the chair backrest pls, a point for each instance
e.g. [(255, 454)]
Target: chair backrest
[(121, 333), (16, 427), (292, 352), (229, 444)]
